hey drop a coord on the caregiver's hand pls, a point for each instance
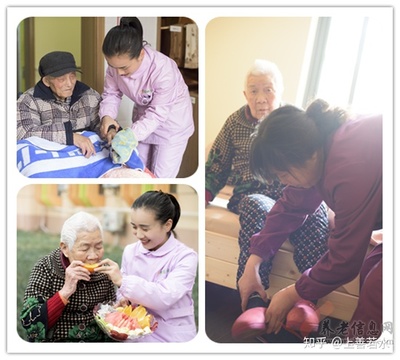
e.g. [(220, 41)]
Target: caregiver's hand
[(106, 121), (110, 135), (111, 269), (250, 281), (281, 303), (376, 237), (84, 144)]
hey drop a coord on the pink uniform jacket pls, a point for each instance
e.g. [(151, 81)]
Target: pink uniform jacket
[(162, 106), (162, 281)]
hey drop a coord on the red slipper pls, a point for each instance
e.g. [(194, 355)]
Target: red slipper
[(249, 324), (303, 317)]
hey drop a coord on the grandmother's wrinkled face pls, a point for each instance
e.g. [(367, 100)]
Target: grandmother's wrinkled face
[(262, 95), (88, 247), (62, 86)]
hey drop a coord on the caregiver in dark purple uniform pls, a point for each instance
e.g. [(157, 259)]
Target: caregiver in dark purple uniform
[(322, 154)]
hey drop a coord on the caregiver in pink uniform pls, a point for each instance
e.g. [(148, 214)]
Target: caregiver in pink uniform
[(157, 271), (162, 115)]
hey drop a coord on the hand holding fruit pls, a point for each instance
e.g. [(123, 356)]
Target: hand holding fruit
[(91, 267), (73, 273), (111, 268)]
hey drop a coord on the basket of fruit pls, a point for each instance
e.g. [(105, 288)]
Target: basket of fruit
[(124, 323)]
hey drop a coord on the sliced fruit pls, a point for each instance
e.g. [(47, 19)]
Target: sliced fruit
[(127, 310), (139, 312), (145, 322), (91, 267), (113, 318)]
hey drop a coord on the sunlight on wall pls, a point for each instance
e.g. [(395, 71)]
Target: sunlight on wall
[(232, 45)]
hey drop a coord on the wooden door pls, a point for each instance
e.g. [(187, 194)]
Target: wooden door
[(173, 43), (92, 35), (26, 55)]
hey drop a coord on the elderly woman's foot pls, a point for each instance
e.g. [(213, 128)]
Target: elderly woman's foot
[(251, 322)]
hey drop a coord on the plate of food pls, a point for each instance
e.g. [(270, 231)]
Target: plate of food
[(124, 323)]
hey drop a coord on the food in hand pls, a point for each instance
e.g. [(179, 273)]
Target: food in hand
[(91, 267)]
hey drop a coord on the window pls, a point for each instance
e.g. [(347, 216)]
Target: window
[(351, 65)]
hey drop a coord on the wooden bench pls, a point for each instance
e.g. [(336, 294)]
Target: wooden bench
[(222, 251)]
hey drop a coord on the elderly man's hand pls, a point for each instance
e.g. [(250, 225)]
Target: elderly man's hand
[(85, 145)]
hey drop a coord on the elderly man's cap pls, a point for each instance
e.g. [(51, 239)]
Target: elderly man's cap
[(57, 63)]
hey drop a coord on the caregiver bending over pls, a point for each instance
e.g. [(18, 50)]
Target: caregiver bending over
[(162, 114), (321, 154)]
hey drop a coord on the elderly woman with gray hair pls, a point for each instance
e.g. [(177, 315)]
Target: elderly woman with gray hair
[(62, 291), (228, 163)]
